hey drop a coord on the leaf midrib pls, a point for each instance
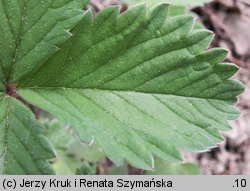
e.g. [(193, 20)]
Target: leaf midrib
[(110, 90)]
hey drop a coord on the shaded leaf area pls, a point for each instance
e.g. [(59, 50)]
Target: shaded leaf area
[(72, 156), (123, 81), (86, 169), (31, 31), (23, 148)]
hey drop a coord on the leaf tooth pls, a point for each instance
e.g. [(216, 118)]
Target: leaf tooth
[(158, 12)]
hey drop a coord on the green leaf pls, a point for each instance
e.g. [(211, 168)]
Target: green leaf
[(161, 168), (2, 87), (59, 136), (71, 154), (90, 153), (174, 169), (117, 170), (23, 149), (175, 10), (87, 169), (140, 84), (31, 31), (176, 2)]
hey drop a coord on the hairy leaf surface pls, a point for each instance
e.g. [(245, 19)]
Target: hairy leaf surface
[(139, 84), (23, 149), (31, 31)]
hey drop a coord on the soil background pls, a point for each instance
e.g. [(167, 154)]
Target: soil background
[(230, 21)]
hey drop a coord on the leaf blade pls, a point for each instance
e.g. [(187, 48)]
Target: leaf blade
[(130, 81), (31, 31), (23, 149)]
